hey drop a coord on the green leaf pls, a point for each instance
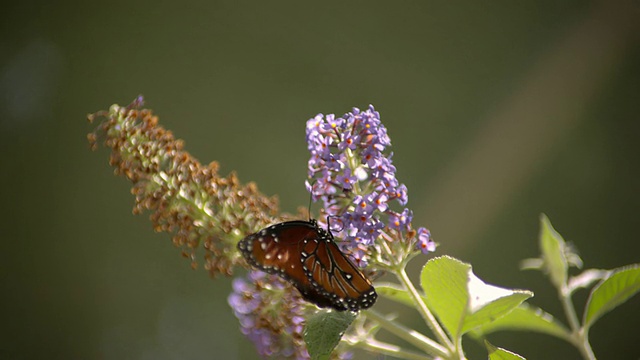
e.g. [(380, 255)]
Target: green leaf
[(444, 281), (496, 353), (552, 247), (525, 318), (488, 302), (324, 331), (616, 289), (394, 292), (461, 300)]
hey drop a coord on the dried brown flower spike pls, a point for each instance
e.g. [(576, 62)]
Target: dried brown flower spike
[(200, 208)]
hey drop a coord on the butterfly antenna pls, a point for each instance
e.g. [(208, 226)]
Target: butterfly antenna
[(329, 224)]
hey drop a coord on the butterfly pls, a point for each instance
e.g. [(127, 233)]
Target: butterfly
[(307, 256)]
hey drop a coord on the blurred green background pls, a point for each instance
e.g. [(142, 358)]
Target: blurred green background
[(497, 112)]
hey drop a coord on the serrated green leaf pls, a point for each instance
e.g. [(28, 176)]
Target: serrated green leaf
[(552, 247), (525, 318), (461, 300), (496, 353), (622, 284), (394, 292), (444, 281), (324, 330)]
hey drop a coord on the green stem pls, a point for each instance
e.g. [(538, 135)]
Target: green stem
[(378, 347), (579, 336), (569, 310), (409, 335), (424, 310), (585, 346)]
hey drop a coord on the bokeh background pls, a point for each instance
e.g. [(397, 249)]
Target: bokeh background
[(498, 111)]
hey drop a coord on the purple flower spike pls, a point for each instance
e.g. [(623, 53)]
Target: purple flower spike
[(271, 314), (356, 180), (251, 300)]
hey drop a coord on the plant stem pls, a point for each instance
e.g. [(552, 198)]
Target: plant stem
[(569, 310), (579, 336), (409, 335), (585, 347), (378, 347), (424, 310)]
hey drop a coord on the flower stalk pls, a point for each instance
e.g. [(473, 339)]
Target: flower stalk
[(409, 335), (428, 317)]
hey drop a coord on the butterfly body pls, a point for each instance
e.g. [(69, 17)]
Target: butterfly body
[(308, 257)]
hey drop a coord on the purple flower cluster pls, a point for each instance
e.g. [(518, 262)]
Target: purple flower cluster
[(272, 315), (277, 334), (354, 177)]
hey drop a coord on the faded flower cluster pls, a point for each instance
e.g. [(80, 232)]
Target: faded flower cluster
[(191, 201)]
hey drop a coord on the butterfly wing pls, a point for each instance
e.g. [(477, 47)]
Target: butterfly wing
[(336, 277), (307, 256), (277, 250)]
